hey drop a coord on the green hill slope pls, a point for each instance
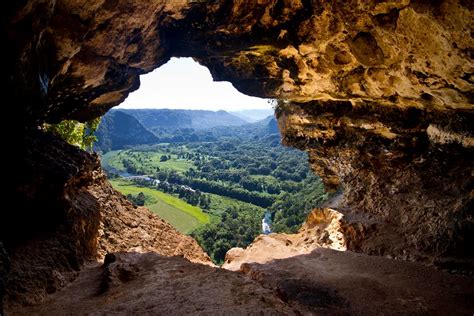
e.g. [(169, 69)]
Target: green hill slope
[(118, 129), (176, 119)]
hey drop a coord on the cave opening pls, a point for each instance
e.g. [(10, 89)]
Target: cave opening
[(382, 105), (206, 158)]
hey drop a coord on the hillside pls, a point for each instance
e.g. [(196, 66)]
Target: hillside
[(265, 130), (175, 119), (118, 129), (253, 115), (122, 128)]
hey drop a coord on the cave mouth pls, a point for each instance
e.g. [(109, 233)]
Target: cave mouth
[(204, 153), (382, 106)]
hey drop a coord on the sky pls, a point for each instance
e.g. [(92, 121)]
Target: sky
[(182, 83)]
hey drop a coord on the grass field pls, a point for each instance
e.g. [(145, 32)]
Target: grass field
[(146, 160), (105, 158), (183, 216), (219, 203)]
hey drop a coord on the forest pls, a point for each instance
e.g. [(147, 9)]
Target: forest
[(233, 174)]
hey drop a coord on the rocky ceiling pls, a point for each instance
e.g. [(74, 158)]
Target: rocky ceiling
[(82, 57)]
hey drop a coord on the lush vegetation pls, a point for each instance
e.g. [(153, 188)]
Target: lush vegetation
[(291, 209), (138, 199), (231, 174), (237, 227), (76, 133), (148, 161)]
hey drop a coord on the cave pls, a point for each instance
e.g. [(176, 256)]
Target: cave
[(379, 93)]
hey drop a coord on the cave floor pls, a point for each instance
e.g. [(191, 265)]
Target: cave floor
[(322, 282)]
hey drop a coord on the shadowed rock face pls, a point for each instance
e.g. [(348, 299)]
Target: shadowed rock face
[(79, 58), (147, 283), (380, 95), (70, 215), (405, 173), (327, 281)]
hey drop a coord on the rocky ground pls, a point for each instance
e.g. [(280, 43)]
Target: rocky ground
[(277, 274), (323, 282), (330, 282), (134, 283)]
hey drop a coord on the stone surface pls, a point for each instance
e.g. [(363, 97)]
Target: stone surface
[(322, 228), (147, 283), (321, 282), (407, 191), (329, 282), (88, 54), (4, 270), (49, 241), (380, 92)]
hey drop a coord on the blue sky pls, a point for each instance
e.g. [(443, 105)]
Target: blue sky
[(184, 84)]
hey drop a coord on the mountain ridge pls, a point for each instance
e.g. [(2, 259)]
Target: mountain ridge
[(118, 129), (177, 118), (253, 115)]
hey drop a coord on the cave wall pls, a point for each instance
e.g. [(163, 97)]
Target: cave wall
[(78, 58), (65, 215), (379, 94), (406, 184)]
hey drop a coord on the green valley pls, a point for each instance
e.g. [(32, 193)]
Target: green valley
[(145, 162), (217, 183)]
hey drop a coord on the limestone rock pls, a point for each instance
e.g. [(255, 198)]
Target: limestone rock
[(408, 54), (380, 94), (327, 281), (322, 228), (52, 238), (407, 184), (147, 283)]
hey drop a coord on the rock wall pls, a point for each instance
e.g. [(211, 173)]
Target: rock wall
[(67, 215), (314, 273), (77, 59), (379, 93), (406, 190), (323, 228)]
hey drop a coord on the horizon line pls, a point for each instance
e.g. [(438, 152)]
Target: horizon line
[(253, 109)]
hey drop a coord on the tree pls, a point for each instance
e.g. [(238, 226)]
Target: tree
[(76, 133), (138, 199), (237, 228), (88, 134), (141, 199)]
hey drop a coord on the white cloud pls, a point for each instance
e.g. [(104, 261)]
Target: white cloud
[(184, 84)]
